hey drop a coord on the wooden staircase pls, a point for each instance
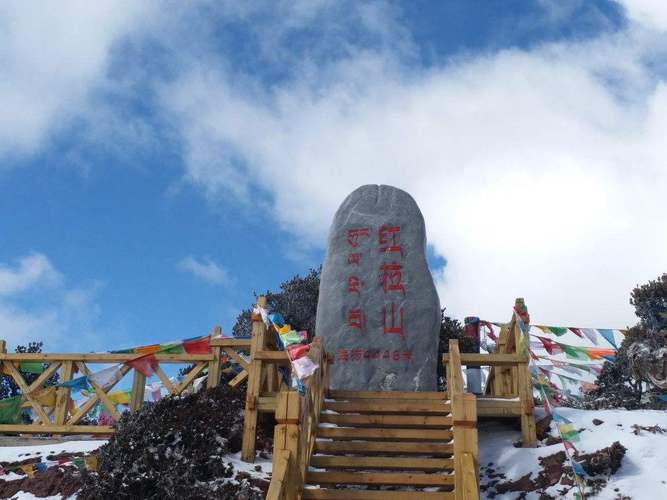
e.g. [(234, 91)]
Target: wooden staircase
[(384, 446)]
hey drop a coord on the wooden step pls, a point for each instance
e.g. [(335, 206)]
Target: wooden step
[(393, 395), (388, 407), (388, 463), (386, 420), (326, 494), (384, 447), (379, 478), (359, 433)]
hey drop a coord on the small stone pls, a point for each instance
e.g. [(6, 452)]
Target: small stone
[(597, 421)]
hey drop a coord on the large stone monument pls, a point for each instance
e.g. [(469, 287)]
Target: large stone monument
[(378, 312)]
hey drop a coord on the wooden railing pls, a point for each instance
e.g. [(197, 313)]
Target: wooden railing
[(508, 391), (294, 436), (464, 426), (52, 405)]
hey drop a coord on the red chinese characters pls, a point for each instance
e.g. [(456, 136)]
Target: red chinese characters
[(353, 235), (356, 319), (388, 240), (370, 355), (390, 277), (391, 322), (353, 285)]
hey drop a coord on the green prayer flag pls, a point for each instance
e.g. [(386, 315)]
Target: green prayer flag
[(10, 410), (172, 348), (558, 330), (291, 337), (574, 352), (31, 367)]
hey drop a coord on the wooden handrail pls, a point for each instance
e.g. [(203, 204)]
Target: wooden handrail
[(54, 414), (475, 359), (464, 426), (294, 435)]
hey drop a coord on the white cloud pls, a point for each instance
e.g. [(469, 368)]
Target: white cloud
[(37, 305), (54, 55), (204, 269), (540, 172), (652, 13), (31, 270)]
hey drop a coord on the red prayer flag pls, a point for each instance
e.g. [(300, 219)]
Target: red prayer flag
[(144, 364), (201, 346), (296, 351), (577, 332)]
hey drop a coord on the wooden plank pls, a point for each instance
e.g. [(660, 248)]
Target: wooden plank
[(230, 342), (214, 365), (393, 395), (380, 478), (388, 463), (388, 407), (266, 405), (384, 447), (138, 390), (386, 434), (279, 357), (55, 429), (100, 391), (344, 494), (470, 483), (386, 420), (44, 376), (237, 357), (165, 380), (238, 379), (88, 405), (103, 357), (279, 476), (18, 378), (187, 380), (254, 386), (474, 359), (62, 397)]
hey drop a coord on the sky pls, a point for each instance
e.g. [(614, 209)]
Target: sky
[(161, 162)]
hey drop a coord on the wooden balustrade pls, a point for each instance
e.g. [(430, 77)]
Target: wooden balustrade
[(508, 391), (294, 436), (52, 405)]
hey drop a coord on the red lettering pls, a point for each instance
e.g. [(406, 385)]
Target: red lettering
[(356, 319), (388, 240), (391, 327), (397, 355), (353, 236), (354, 259), (391, 278), (357, 354), (375, 354), (386, 355), (343, 355), (353, 285), (407, 355)]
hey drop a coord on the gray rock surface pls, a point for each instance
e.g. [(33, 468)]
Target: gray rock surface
[(378, 312)]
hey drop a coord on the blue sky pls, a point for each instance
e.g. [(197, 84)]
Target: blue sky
[(159, 164)]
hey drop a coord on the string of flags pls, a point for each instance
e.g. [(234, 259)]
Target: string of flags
[(592, 334), (293, 342), (565, 427), (88, 462)]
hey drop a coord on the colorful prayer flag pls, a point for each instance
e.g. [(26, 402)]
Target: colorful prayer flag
[(591, 334), (107, 377), (608, 336), (10, 410), (200, 346), (558, 330), (147, 365), (35, 367), (76, 384)]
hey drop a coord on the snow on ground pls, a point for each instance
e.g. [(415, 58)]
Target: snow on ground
[(23, 495), (643, 474), (264, 464), (18, 453)]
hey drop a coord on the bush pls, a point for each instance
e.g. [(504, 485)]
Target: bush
[(174, 449)]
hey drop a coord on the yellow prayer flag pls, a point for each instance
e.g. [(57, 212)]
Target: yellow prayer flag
[(47, 397), (28, 470), (284, 329), (120, 398), (91, 462)]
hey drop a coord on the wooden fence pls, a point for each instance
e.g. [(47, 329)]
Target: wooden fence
[(52, 405), (508, 390)]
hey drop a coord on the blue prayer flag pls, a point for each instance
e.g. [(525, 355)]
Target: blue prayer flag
[(609, 336)]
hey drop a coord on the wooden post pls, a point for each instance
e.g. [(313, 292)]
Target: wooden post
[(138, 390), (214, 365), (286, 444), (62, 395), (524, 386), (257, 343)]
